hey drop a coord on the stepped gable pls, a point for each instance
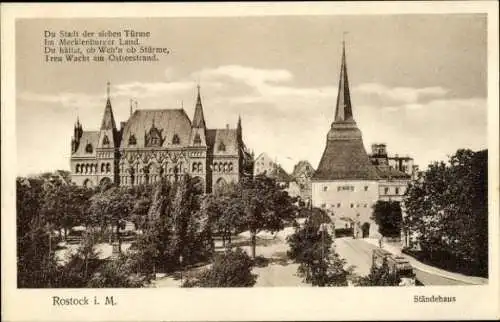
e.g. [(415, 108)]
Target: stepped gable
[(345, 157), (169, 121)]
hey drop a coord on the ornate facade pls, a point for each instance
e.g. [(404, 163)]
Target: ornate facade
[(154, 144)]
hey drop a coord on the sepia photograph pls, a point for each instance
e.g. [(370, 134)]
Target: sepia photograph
[(335, 151)]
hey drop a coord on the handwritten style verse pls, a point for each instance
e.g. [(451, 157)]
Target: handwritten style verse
[(84, 46)]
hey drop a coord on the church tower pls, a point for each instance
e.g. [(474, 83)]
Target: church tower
[(345, 183), (198, 127), (198, 141), (344, 156), (108, 144)]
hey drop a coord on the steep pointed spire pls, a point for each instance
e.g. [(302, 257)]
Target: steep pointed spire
[(108, 120), (343, 110), (198, 119), (130, 107)]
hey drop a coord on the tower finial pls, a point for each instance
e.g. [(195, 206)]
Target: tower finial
[(107, 88), (135, 104), (130, 107)]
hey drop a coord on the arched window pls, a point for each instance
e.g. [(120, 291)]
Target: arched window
[(103, 167), (105, 141), (197, 139), (222, 146), (89, 148), (195, 167), (77, 168), (132, 140), (230, 166), (86, 168), (225, 167), (176, 140), (200, 167), (108, 167)]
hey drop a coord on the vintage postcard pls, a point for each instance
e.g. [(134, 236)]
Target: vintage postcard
[(250, 161)]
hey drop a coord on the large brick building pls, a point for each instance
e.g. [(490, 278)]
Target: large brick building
[(348, 182), (153, 144)]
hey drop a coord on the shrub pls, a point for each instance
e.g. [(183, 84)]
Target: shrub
[(233, 268)]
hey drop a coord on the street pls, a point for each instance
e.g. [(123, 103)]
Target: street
[(358, 253)]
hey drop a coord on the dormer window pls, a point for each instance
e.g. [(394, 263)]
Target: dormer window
[(105, 141), (153, 138), (222, 146), (132, 140), (176, 140), (89, 148), (197, 139)]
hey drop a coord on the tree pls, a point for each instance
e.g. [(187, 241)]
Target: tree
[(112, 207), (447, 211), (388, 216), (233, 268), (379, 276), (141, 195), (65, 205), (176, 226), (36, 264), (310, 246), (265, 206)]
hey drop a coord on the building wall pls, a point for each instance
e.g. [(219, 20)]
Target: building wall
[(346, 198), (392, 190), (262, 164), (225, 170)]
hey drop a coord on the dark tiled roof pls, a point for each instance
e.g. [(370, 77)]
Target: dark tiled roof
[(228, 138), (169, 121), (108, 120), (386, 172), (198, 119), (88, 137), (345, 159)]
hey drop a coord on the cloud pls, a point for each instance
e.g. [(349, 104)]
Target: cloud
[(141, 89), (65, 99), (265, 86), (400, 94), (252, 76)]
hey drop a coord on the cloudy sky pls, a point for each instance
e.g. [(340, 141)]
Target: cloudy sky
[(418, 82)]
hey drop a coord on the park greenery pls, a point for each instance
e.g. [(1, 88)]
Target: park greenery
[(176, 224), (447, 213)]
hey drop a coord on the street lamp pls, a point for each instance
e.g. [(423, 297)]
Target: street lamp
[(180, 262)]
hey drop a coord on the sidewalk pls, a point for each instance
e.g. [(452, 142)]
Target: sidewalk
[(427, 268)]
